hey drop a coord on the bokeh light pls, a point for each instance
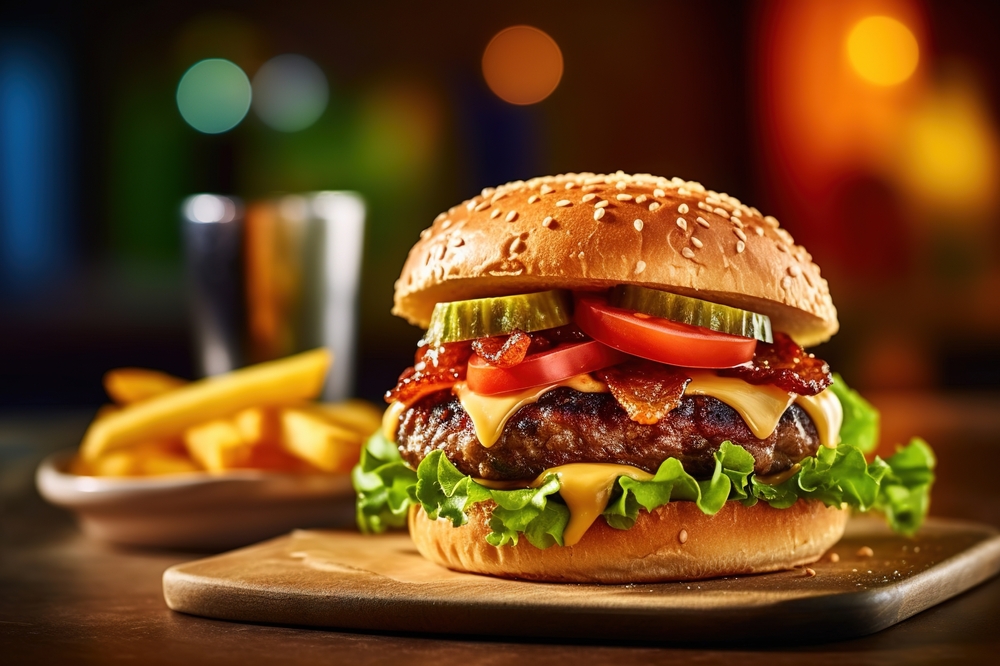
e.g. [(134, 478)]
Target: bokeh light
[(950, 158), (290, 92), (522, 65), (882, 50), (213, 96)]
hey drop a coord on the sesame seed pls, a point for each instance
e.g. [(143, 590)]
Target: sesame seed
[(518, 246), (786, 282), (440, 217), (570, 185), (456, 242), (545, 189), (782, 247), (623, 197), (722, 212), (737, 222), (659, 193), (739, 234), (533, 198), (740, 246), (580, 256), (696, 242), (601, 204), (589, 188), (654, 205), (866, 551), (736, 211), (620, 185), (794, 270), (683, 191), (482, 206), (834, 557), (682, 223), (487, 191), (683, 208), (682, 536), (496, 213), (702, 221), (547, 222), (470, 205), (770, 220), (511, 216), (688, 252), (641, 198), (638, 225), (599, 213), (640, 266), (588, 197), (810, 572), (677, 181), (759, 231), (498, 196), (562, 203)]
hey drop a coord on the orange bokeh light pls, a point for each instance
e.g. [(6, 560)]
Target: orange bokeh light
[(522, 65)]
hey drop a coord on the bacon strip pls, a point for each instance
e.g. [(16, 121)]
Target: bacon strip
[(436, 369), (646, 391), (503, 352), (785, 365)]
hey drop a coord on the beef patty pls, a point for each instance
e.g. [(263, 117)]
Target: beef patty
[(567, 426)]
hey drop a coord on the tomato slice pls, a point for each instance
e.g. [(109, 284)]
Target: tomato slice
[(659, 339), (547, 367)]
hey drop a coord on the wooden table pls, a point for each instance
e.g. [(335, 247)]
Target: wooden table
[(64, 599)]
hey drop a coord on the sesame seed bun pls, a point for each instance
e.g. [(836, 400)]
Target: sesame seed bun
[(674, 542), (592, 231)]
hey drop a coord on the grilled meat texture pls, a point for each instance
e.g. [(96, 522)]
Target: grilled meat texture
[(566, 426)]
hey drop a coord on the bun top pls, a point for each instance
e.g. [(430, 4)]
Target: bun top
[(593, 231)]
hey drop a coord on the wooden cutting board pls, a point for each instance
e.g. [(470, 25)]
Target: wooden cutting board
[(346, 580)]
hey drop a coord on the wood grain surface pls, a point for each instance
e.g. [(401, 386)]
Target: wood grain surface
[(349, 581)]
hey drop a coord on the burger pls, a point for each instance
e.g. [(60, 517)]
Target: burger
[(613, 388)]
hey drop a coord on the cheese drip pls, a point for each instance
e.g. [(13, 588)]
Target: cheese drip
[(761, 406), (489, 413), (586, 489)]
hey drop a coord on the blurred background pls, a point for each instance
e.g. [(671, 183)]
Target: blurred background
[(870, 129)]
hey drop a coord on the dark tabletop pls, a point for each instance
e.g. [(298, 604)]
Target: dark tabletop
[(66, 599)]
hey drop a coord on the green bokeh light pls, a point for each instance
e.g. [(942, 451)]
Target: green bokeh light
[(213, 96)]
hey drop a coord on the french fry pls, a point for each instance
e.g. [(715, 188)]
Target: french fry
[(327, 446), (130, 385), (359, 415), (218, 445), (143, 459), (158, 465), (284, 381), (118, 463)]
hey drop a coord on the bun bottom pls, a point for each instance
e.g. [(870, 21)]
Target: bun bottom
[(673, 542)]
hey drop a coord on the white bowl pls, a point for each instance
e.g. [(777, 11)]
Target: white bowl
[(198, 510)]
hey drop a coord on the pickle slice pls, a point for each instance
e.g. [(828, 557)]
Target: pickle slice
[(694, 311), (485, 317)]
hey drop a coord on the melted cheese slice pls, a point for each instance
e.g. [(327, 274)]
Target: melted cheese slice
[(760, 406), (826, 413), (390, 419), (489, 413)]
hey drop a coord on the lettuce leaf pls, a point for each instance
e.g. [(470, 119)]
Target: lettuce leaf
[(382, 481), (861, 420), (898, 487)]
